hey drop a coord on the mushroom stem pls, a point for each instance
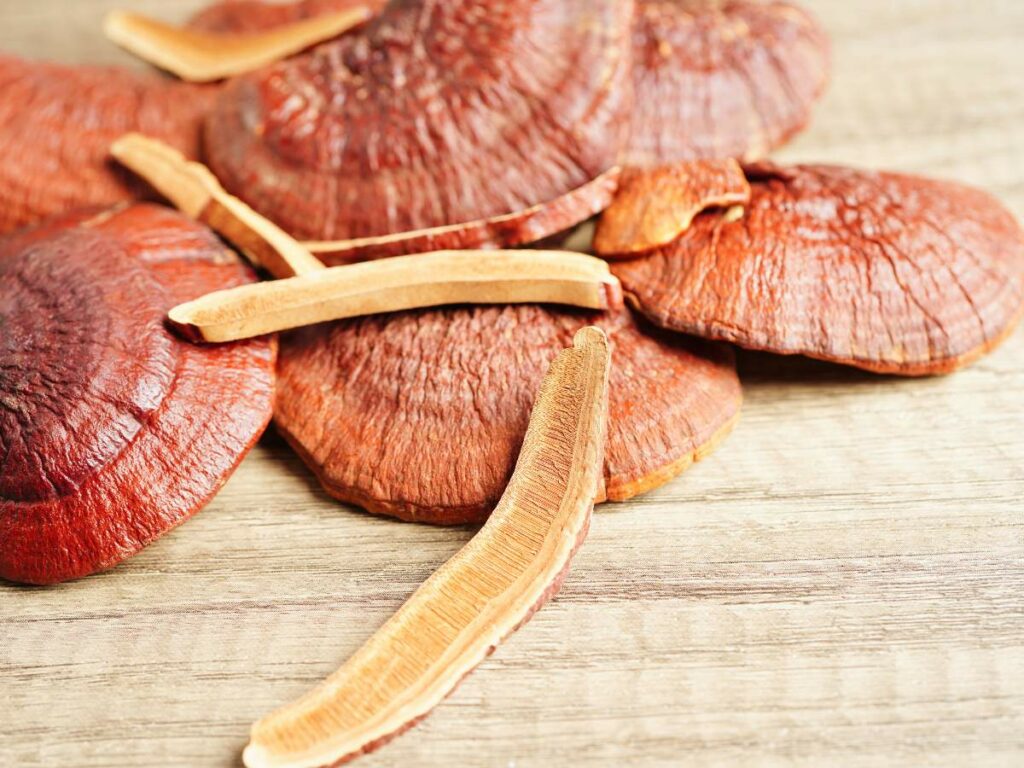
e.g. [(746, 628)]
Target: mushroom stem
[(478, 598), (403, 282), (195, 191), (203, 57)]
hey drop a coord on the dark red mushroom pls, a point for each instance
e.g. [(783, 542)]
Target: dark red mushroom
[(722, 78), (883, 271), (56, 126), (113, 430), (420, 415), (433, 114)]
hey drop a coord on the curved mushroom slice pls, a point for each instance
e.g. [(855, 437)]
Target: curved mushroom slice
[(419, 415), (113, 430), (233, 17), (433, 114), (56, 126), (508, 231), (203, 57), (891, 273), (655, 205), (514, 565), (722, 78)]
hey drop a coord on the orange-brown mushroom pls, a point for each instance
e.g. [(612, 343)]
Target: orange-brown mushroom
[(434, 114), (883, 271), (420, 414), (722, 78), (56, 126), (112, 429), (653, 206)]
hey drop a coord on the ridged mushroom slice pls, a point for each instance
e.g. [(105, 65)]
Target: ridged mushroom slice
[(722, 78), (112, 429), (887, 272), (432, 114), (506, 231), (202, 57), (513, 566), (56, 126), (419, 415)]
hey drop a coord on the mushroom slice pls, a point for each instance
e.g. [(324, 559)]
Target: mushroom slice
[(240, 17), (419, 415), (432, 114), (655, 205), (882, 271), (204, 57), (722, 78), (57, 123), (512, 229), (112, 429), (402, 282), (514, 565)]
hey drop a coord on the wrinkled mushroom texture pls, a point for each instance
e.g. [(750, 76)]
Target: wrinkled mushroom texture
[(247, 16), (56, 126), (113, 430), (722, 78), (887, 272), (420, 415), (435, 113)]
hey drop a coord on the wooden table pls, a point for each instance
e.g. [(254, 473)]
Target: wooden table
[(842, 583)]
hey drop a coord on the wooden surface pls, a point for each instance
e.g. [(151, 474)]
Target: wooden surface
[(842, 583)]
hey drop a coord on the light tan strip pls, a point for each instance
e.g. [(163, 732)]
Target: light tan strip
[(403, 282), (202, 57)]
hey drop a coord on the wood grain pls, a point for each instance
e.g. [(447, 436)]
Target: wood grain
[(842, 583)]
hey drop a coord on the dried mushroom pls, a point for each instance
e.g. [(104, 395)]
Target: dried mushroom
[(514, 565), (653, 206), (203, 57), (507, 231), (112, 430), (57, 123), (433, 114), (883, 271), (420, 414), (722, 78)]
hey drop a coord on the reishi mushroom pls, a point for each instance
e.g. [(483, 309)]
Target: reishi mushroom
[(513, 565), (722, 78), (883, 271), (56, 126), (112, 429), (419, 415), (433, 114)]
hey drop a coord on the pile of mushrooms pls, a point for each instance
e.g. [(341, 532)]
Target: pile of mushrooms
[(385, 167)]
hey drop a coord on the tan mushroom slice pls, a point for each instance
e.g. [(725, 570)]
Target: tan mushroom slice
[(419, 415), (191, 188), (402, 282), (513, 566), (653, 206), (722, 78), (56, 126), (883, 271), (502, 106), (203, 57)]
